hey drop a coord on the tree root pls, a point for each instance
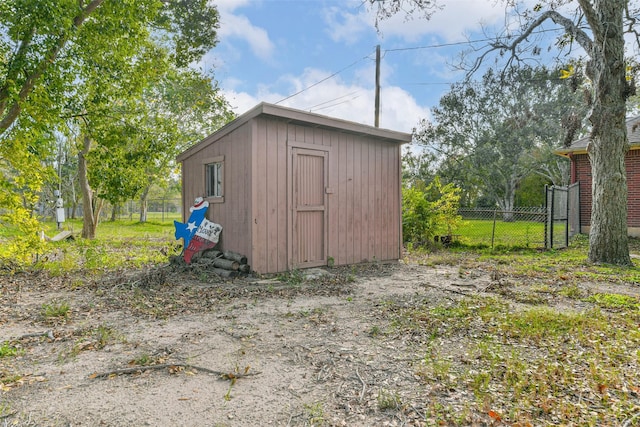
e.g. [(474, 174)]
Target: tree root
[(231, 376)]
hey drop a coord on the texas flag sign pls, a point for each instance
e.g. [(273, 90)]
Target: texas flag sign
[(199, 233)]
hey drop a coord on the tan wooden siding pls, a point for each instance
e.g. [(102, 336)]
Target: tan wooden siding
[(362, 192), (364, 205), (270, 243), (234, 213)]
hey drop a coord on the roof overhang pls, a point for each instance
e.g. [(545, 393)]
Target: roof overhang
[(292, 115), (581, 146)]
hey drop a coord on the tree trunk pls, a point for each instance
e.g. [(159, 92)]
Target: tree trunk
[(507, 202), (143, 204), (88, 220), (608, 239)]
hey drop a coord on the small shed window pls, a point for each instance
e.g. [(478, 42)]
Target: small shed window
[(214, 173)]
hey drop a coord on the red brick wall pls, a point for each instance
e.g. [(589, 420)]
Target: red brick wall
[(632, 162), (582, 171)]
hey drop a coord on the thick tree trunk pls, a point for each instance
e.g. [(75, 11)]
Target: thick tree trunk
[(89, 222), (508, 201), (608, 241), (143, 205), (74, 209)]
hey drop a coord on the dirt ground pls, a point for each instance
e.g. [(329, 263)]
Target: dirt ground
[(179, 349)]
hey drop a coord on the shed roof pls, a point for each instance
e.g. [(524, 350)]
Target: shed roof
[(580, 146), (302, 118)]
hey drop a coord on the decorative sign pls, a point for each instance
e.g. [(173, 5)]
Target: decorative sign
[(199, 233)]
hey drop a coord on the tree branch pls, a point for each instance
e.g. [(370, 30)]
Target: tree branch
[(43, 65), (14, 67), (590, 14), (501, 45)]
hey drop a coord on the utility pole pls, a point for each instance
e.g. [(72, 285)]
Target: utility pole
[(377, 110)]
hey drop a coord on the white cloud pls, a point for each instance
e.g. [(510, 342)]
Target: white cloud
[(231, 5), (451, 23), (238, 26), (345, 27), (334, 98)]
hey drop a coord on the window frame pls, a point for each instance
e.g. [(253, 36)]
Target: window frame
[(208, 165)]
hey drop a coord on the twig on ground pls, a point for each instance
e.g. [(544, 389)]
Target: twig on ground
[(364, 385), (48, 334), (441, 288), (135, 370)]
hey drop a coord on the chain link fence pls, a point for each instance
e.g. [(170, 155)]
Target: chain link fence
[(520, 227), (159, 210)]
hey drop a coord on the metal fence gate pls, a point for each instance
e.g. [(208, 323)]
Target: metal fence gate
[(563, 215)]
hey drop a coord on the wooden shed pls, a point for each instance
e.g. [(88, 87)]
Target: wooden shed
[(293, 189)]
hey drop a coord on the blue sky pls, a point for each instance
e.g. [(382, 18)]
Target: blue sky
[(271, 49)]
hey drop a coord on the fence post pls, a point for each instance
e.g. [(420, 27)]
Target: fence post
[(553, 211), (566, 223), (546, 216), (493, 230)]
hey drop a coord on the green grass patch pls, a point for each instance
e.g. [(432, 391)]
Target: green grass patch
[(8, 350), (55, 310), (615, 301), (118, 245), (522, 234), (525, 366), (546, 324)]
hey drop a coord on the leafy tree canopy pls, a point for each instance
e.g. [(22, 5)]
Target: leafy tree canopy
[(600, 29), (75, 59), (492, 134)]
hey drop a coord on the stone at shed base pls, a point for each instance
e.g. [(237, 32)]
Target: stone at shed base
[(316, 273)]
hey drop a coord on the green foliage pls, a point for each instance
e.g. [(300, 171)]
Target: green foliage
[(530, 192), (55, 310), (293, 277), (615, 301), (493, 133), (118, 244), (315, 413), (22, 178), (69, 69), (509, 234), (429, 211), (7, 350)]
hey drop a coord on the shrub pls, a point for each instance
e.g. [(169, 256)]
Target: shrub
[(428, 211)]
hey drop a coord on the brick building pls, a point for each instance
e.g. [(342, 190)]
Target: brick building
[(581, 173)]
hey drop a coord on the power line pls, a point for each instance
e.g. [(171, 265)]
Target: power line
[(323, 80), (337, 103), (331, 100), (468, 42), (434, 46)]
